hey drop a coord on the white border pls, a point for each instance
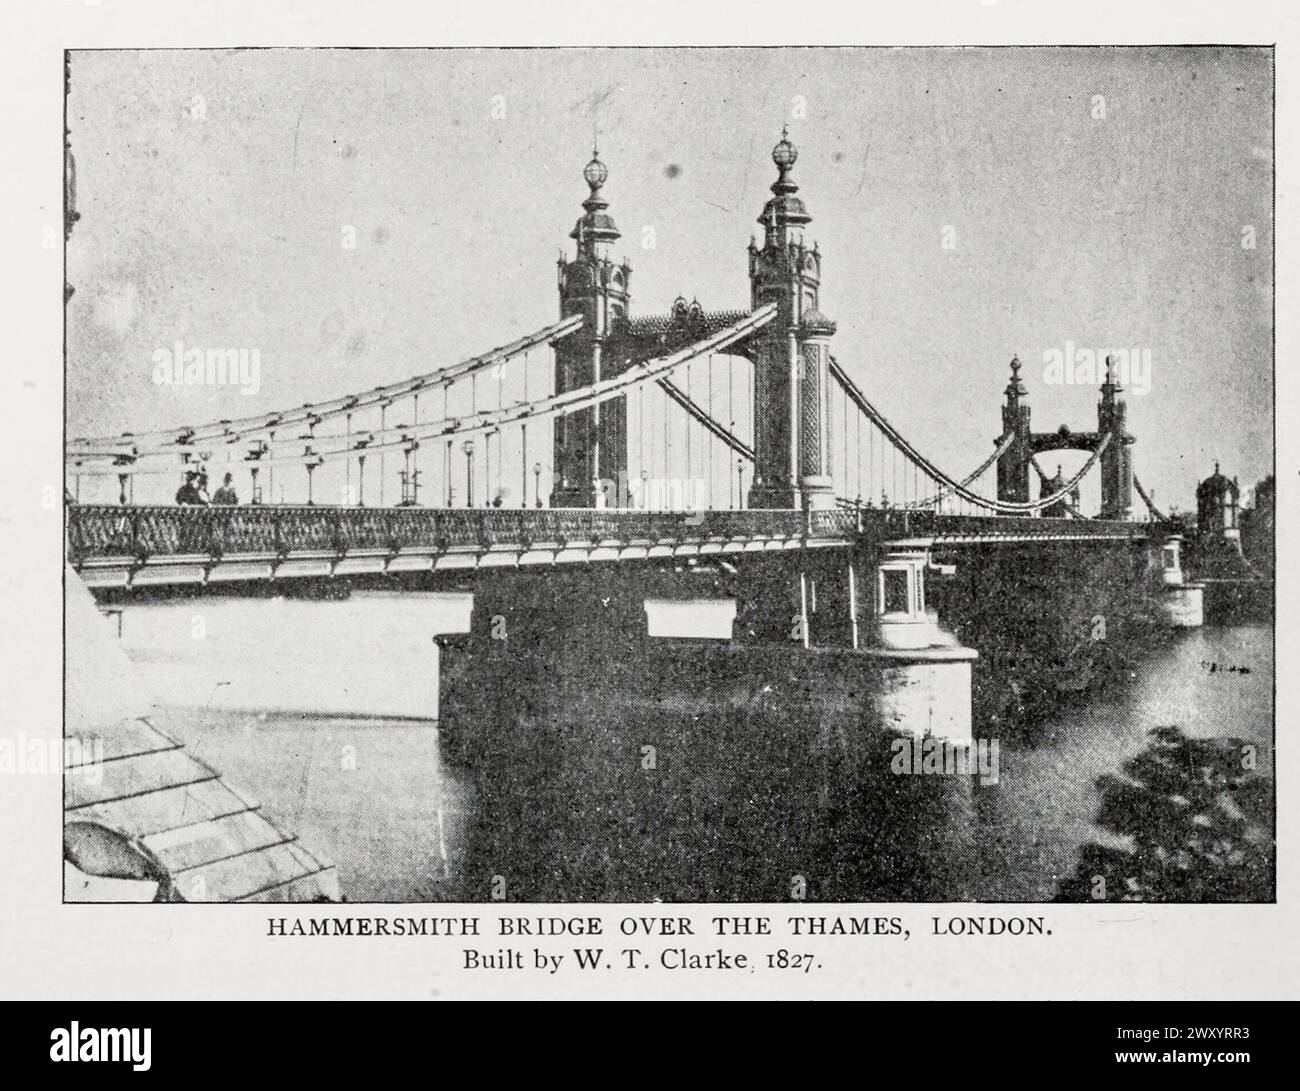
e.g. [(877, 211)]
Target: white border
[(49, 950)]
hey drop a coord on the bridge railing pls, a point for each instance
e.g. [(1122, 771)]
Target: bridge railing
[(106, 531), (921, 524)]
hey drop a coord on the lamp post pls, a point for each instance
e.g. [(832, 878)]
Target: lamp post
[(645, 489), (736, 502), (468, 448), (537, 482), (523, 450), (311, 469), (740, 484)]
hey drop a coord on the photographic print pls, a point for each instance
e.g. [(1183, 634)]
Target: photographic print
[(698, 475)]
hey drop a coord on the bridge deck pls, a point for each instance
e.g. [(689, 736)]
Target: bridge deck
[(127, 545)]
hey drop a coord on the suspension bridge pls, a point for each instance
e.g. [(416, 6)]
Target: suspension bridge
[(659, 437), (567, 475)]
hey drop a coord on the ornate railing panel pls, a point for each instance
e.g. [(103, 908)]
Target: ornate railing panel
[(834, 524), (369, 529), (101, 532), (245, 530)]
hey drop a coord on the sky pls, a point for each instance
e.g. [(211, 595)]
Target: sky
[(969, 204)]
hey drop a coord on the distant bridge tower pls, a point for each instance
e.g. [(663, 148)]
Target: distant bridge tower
[(1117, 459), (1217, 503), (792, 389), (1013, 464), (590, 445)]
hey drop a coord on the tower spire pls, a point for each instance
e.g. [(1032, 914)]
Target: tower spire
[(1112, 384), (597, 226), (784, 210), (1015, 388)]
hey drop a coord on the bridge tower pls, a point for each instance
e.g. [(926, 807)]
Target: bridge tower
[(590, 445), (1013, 464), (1217, 520), (792, 389), (1117, 459)]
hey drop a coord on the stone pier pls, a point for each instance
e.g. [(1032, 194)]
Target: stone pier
[(540, 644), (872, 603), (925, 674), (1181, 601)]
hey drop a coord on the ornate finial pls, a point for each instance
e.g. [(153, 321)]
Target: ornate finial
[(1111, 380), (785, 153), (595, 172), (1015, 388), (597, 226), (784, 209)]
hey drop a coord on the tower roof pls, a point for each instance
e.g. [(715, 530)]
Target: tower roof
[(784, 209), (596, 225), (815, 322), (1218, 485)]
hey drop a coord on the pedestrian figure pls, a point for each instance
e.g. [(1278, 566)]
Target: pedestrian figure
[(189, 492), (226, 494)]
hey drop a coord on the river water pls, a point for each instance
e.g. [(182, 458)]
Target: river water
[(325, 711)]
